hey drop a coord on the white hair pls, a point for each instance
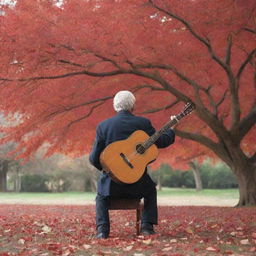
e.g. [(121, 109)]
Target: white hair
[(123, 100)]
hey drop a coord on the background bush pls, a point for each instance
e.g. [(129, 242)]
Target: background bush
[(34, 183), (213, 176)]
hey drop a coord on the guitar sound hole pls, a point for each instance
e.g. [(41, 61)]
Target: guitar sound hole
[(140, 149)]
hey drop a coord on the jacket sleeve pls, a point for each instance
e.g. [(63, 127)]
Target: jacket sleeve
[(165, 139), (98, 147)]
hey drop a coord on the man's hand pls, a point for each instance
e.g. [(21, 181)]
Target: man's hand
[(176, 119)]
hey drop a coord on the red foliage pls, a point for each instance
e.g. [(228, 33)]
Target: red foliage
[(69, 230), (66, 62)]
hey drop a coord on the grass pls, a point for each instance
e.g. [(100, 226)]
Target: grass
[(167, 196), (219, 193)]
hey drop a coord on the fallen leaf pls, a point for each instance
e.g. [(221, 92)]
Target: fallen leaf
[(244, 241), (46, 229), (253, 249), (66, 253), (87, 246), (233, 233), (189, 230), (148, 241), (167, 249), (128, 248), (21, 241), (211, 249)]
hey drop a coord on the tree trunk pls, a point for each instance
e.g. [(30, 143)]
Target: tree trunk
[(17, 180), (197, 175), (246, 178), (159, 181), (3, 176)]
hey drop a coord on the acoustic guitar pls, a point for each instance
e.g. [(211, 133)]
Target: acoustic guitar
[(125, 160)]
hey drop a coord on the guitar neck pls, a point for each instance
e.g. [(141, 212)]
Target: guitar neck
[(151, 140)]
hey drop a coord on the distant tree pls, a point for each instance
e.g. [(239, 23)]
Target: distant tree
[(197, 176), (7, 163)]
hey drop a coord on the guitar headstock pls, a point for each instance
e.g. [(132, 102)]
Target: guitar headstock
[(189, 107)]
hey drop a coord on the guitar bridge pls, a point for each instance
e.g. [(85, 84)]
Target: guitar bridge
[(126, 160)]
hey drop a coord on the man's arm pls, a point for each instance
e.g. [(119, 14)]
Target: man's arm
[(98, 146), (165, 139)]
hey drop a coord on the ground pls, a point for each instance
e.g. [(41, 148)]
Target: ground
[(69, 230)]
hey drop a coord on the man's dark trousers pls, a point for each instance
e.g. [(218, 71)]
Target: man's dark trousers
[(149, 214)]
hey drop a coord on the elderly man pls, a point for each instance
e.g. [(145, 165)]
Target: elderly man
[(120, 127)]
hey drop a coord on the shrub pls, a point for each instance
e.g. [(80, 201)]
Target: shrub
[(212, 176), (34, 183)]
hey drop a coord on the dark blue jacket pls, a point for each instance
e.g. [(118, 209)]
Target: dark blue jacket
[(120, 127)]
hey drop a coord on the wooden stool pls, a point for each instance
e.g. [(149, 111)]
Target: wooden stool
[(128, 204)]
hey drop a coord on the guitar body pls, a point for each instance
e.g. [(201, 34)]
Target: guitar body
[(123, 163)]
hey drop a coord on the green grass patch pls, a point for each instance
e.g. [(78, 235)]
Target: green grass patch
[(219, 193), (165, 192)]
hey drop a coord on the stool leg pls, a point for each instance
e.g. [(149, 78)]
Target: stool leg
[(138, 217)]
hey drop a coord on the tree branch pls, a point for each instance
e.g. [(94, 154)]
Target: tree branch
[(245, 124), (250, 30), (154, 110), (196, 35), (151, 87), (228, 50), (65, 109), (83, 72), (166, 86), (85, 116), (174, 70), (247, 60), (206, 142), (232, 82)]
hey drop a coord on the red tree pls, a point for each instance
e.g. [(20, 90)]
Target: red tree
[(61, 66)]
